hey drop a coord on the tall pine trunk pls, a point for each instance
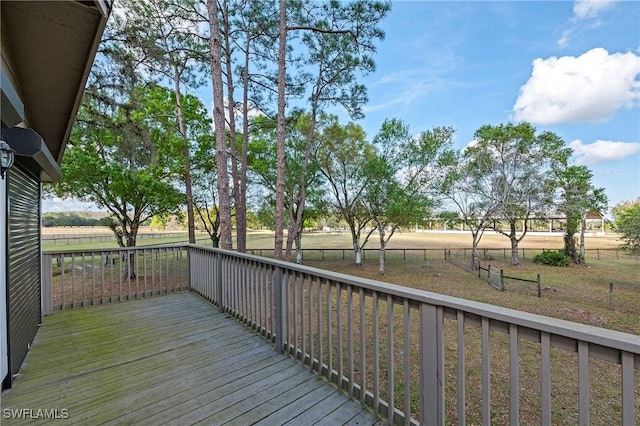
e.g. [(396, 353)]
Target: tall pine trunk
[(219, 122), (280, 152)]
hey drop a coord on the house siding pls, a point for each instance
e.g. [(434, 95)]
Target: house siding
[(24, 264)]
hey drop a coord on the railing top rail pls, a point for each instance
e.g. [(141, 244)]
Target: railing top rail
[(582, 332), (113, 249)]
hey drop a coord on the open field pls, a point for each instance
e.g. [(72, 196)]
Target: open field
[(576, 293)]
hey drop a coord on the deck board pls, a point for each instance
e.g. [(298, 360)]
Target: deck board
[(168, 360)]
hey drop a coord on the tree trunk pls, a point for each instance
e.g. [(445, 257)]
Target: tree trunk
[(514, 244), (474, 251), (514, 251), (219, 121), (280, 152), (570, 247), (241, 207), (583, 227), (357, 250), (240, 212), (383, 246), (186, 160), (299, 248)]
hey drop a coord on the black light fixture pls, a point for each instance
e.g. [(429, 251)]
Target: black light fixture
[(7, 155)]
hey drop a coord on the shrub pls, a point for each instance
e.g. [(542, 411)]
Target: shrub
[(553, 258)]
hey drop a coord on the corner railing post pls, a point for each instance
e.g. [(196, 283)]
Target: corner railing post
[(46, 292), (281, 307), (431, 365)]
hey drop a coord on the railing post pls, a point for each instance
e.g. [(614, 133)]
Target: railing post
[(431, 365), (46, 292), (188, 268), (281, 307), (220, 297)]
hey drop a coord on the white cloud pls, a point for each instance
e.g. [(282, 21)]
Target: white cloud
[(587, 88), (585, 9), (601, 151)]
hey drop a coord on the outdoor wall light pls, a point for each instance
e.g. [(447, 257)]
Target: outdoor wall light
[(7, 156)]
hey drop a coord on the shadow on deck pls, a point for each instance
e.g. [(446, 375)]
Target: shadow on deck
[(167, 360)]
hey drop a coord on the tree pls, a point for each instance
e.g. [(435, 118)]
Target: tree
[(162, 34), (131, 159), (627, 220), (478, 184), (400, 177), (340, 158), (520, 165), (300, 171), (340, 40), (340, 43), (576, 195)]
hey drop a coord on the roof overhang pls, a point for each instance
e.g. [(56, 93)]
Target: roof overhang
[(48, 48)]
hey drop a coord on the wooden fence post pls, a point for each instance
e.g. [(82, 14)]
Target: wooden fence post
[(610, 296)]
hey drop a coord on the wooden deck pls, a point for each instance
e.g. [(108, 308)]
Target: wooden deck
[(167, 360)]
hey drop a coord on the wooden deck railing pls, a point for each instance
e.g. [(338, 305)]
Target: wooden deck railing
[(73, 279), (417, 357)]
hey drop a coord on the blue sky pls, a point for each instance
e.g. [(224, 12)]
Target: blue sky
[(572, 68)]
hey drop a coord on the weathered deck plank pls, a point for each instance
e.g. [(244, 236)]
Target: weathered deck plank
[(168, 360)]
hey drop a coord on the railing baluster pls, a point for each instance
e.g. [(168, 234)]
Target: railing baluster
[(320, 337), (461, 368), (311, 339), (339, 332), (93, 279), (302, 315), (628, 388), (329, 335), (390, 360), (514, 387), (486, 373), (406, 365), (363, 354), (82, 280), (295, 317), (583, 383), (102, 256), (121, 273), (63, 283), (545, 341), (153, 273), (376, 355), (350, 337), (136, 260), (73, 281)]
